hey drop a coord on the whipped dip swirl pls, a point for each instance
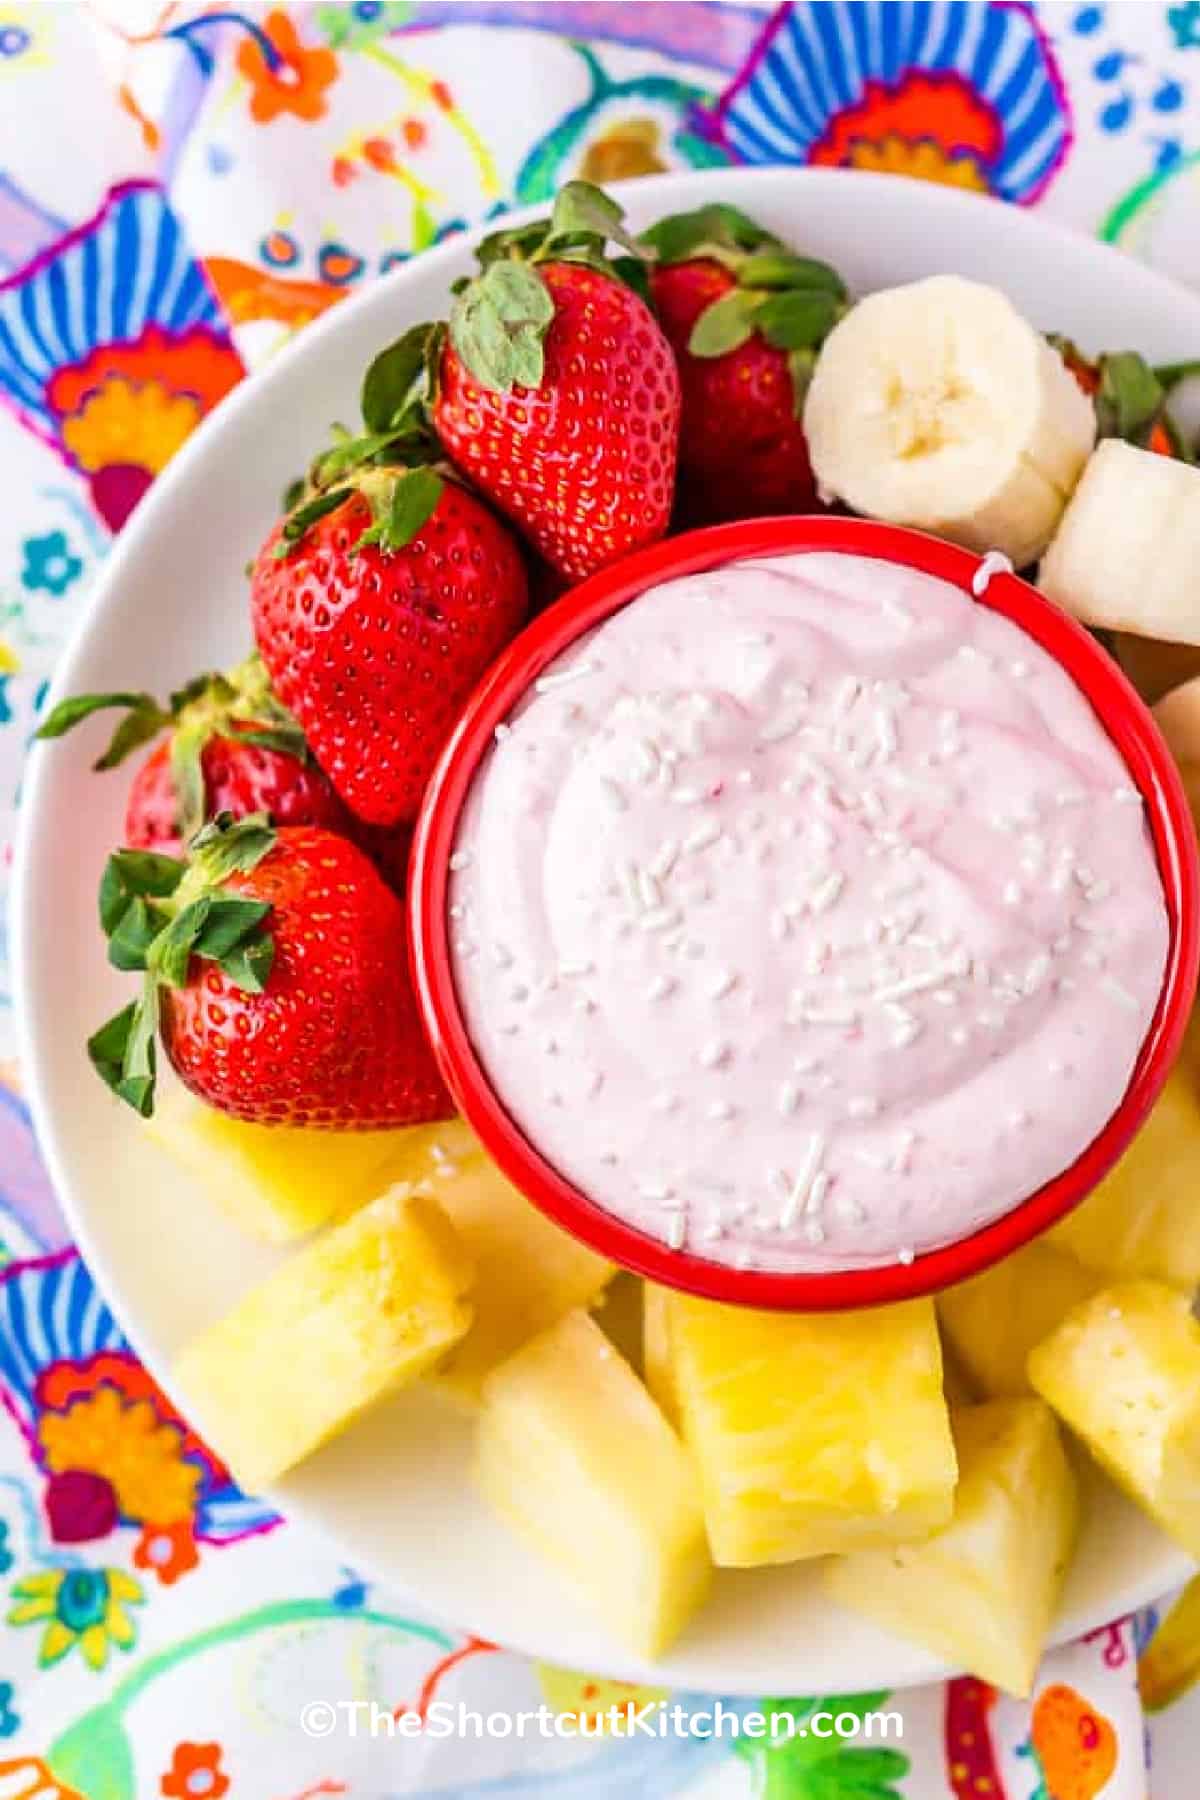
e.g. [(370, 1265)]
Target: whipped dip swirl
[(804, 915)]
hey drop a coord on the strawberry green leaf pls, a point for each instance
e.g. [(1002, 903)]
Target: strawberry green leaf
[(170, 955), (249, 965), (797, 321), (801, 364), (497, 325), (144, 719), (297, 523), (187, 777), (685, 235), (287, 740), (780, 269), (415, 499), (131, 874), (1169, 375), (581, 207), (228, 846), (123, 1050), (136, 930), (389, 382), (1129, 399), (725, 325), (229, 924)]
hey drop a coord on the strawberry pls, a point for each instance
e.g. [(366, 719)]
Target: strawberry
[(745, 318), (1131, 402), (556, 393), (232, 748), (274, 967), (377, 605)]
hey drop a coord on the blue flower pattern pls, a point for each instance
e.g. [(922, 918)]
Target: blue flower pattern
[(49, 564)]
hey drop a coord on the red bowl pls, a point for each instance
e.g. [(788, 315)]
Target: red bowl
[(1119, 709)]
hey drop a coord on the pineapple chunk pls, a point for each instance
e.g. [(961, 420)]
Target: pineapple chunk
[(994, 1320), (277, 1182), (983, 1592), (1143, 1218), (528, 1272), (812, 1432), (576, 1457), (656, 1351), (367, 1308), (1123, 1370)]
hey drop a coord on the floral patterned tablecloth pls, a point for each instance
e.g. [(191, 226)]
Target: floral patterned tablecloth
[(181, 189)]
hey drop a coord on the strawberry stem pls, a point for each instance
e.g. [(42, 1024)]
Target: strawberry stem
[(158, 912)]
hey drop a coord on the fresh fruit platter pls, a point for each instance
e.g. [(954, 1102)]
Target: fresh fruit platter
[(647, 1080)]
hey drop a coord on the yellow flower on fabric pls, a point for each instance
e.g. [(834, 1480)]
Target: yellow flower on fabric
[(136, 422), (126, 1442), (924, 161), (79, 1606)]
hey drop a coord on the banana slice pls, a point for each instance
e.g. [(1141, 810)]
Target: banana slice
[(1177, 715), (1155, 667), (1127, 553), (938, 405)]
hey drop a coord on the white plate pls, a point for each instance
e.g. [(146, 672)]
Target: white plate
[(394, 1493)]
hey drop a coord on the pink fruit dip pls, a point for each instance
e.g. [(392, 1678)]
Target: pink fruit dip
[(804, 915)]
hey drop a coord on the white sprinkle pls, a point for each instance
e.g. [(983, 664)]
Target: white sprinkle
[(1117, 992), (665, 1103), (654, 1190), (906, 1256), (584, 1003), (1099, 890), (847, 1207), (1036, 973), (609, 1158), (646, 758), (1018, 1120), (649, 892), (1069, 797), (676, 1231), (862, 1106), (1014, 893), (702, 836), (613, 793), (755, 640), (786, 725), (994, 563), (458, 912), (688, 796), (826, 894), (789, 1098), (847, 693), (546, 683), (720, 1110), (1127, 796), (898, 1161), (828, 1015), (885, 733), (509, 1028), (781, 926), (570, 969), (664, 859), (661, 919), (550, 1045), (595, 1082), (959, 1036), (971, 653), (945, 997), (660, 987), (1092, 959), (907, 1034), (920, 982), (464, 947), (1019, 669), (895, 611), (460, 859), (723, 984), (714, 1054), (1065, 985), (869, 1160), (502, 956)]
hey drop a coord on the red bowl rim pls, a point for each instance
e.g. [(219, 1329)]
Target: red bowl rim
[(1129, 725)]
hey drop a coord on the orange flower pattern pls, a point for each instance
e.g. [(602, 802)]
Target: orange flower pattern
[(297, 85)]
